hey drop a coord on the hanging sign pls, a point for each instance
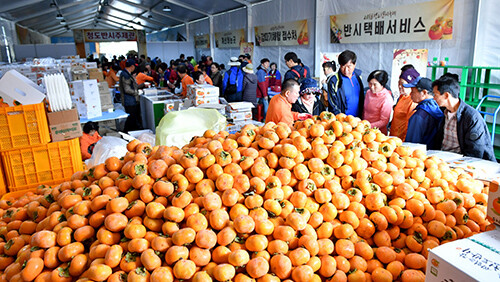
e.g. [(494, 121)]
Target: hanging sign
[(202, 41), (401, 57), (282, 34), (101, 35), (247, 48), (229, 39), (417, 22)]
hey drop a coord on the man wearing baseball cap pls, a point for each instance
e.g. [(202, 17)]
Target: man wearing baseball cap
[(424, 123)]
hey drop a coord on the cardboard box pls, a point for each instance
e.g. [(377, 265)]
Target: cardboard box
[(195, 90), (96, 74), (244, 115), (17, 89), (78, 73), (476, 258), (103, 87), (239, 107), (208, 99), (493, 206), (85, 94), (64, 125)]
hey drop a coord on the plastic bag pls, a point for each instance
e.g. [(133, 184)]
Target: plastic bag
[(178, 128), (108, 146)]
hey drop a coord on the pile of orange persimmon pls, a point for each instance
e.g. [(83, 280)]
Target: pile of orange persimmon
[(328, 200)]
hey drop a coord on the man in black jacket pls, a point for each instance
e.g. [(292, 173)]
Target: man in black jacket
[(345, 89), (296, 71), (463, 129)]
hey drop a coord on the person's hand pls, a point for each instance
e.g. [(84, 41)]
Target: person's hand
[(305, 116)]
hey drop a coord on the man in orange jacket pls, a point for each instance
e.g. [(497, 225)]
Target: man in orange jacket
[(280, 107)]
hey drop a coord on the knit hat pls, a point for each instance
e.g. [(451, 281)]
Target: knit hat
[(234, 62), (309, 85), (248, 68), (411, 76)]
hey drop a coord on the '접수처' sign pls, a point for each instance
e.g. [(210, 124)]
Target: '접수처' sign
[(282, 34), (417, 22)]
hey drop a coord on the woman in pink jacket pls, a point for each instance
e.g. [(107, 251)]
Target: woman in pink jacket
[(378, 101)]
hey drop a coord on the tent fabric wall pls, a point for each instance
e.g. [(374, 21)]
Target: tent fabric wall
[(169, 50), (44, 50), (373, 56), (167, 35), (226, 22), (285, 11), (487, 49)]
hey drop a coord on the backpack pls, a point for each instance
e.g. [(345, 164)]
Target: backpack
[(300, 78), (231, 87)]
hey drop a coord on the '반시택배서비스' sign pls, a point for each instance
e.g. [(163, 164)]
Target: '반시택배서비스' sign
[(417, 22), (283, 34), (202, 41), (229, 39), (109, 35)]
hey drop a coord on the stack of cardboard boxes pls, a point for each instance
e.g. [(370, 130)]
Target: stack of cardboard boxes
[(476, 258), (240, 113), (105, 95)]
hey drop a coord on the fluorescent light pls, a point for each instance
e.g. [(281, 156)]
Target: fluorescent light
[(167, 9), (59, 17), (63, 22)]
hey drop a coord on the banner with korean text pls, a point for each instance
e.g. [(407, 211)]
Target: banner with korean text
[(417, 22), (202, 41), (229, 39), (282, 34), (102, 35)]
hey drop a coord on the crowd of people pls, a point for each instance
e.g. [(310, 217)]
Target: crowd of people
[(426, 112)]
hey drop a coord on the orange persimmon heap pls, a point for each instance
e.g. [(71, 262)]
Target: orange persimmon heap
[(330, 199)]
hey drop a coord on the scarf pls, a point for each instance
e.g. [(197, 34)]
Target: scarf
[(308, 104)]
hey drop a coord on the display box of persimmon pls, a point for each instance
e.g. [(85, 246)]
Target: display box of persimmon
[(494, 202), (476, 258)]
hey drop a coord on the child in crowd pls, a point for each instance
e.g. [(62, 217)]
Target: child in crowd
[(89, 138)]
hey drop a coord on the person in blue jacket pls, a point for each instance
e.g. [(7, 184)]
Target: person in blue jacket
[(423, 125), (296, 71), (345, 89), (232, 84)]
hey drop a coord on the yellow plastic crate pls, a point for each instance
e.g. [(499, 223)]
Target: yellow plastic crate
[(23, 126), (49, 164)]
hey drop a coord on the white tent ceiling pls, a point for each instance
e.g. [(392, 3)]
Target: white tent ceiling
[(40, 15)]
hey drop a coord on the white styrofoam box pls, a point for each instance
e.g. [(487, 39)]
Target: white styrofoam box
[(195, 90), (219, 107), (150, 91), (241, 115), (476, 258), (415, 146), (494, 201), (85, 94), (239, 107), (16, 87), (90, 65), (238, 125), (208, 99)]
